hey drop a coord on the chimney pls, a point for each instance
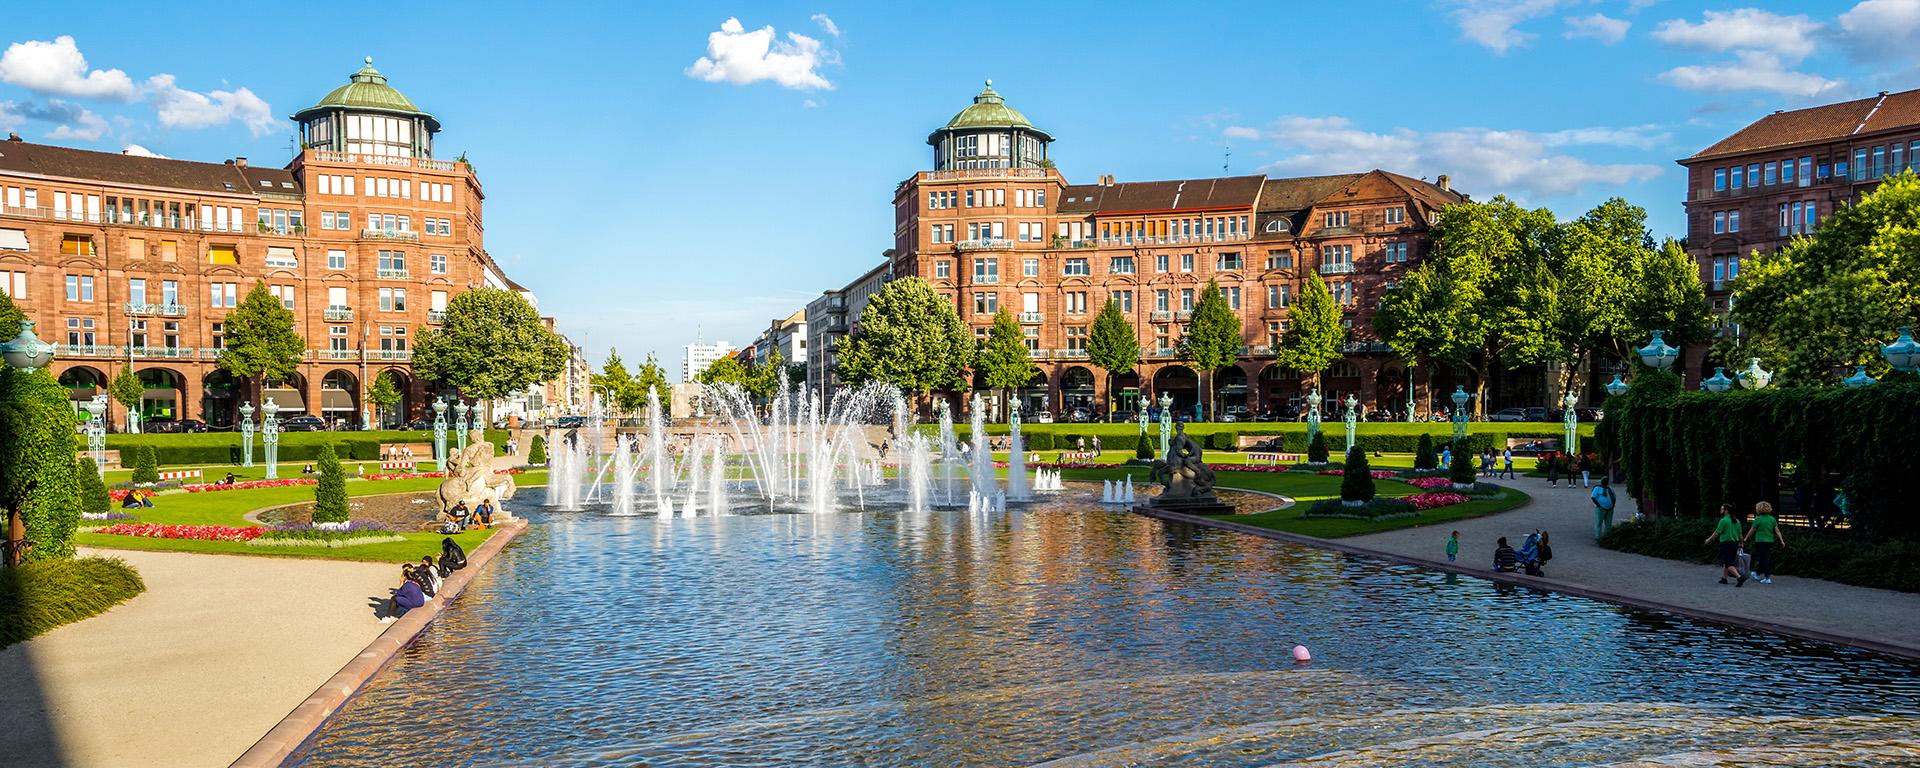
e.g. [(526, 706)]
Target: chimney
[(240, 161), (11, 136), (1443, 184)]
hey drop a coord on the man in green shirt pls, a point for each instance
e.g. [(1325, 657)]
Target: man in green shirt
[(1727, 533), (1765, 533)]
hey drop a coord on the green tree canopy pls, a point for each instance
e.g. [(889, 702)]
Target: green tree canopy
[(616, 387), (492, 344), (1112, 344), (10, 317), (1829, 300), (259, 340), (384, 394), (1003, 360), (1213, 337), (1314, 331), (652, 378), (764, 379), (37, 467), (726, 370), (126, 387), (911, 337)]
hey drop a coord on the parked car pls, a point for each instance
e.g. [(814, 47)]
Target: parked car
[(173, 426), (1512, 414), (1080, 416), (303, 424), (420, 424), (570, 422), (1043, 417)]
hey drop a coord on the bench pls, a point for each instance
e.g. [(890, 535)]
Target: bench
[(1067, 456), (1269, 458), (400, 465), (1247, 441), (181, 474)]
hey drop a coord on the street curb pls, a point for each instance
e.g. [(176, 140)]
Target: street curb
[(1545, 585), (306, 719)]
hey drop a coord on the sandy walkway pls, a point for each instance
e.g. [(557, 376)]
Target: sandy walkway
[(190, 673)]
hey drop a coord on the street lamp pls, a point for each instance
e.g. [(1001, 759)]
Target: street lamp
[(1859, 378), (1753, 376), (1616, 387), (1656, 354), (246, 434), (1571, 419), (1903, 355), (460, 426), (1460, 398), (1410, 417), (1352, 418), (270, 435), (1313, 414), (1166, 424), (440, 433), (97, 432), (1718, 382), (26, 351)]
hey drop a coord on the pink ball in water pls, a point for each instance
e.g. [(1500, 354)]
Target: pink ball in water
[(1300, 653)]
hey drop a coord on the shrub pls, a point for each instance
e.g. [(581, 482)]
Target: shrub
[(1224, 441), (146, 466), (330, 494), (361, 450), (1037, 441), (1423, 457), (37, 448), (94, 497), (1358, 483), (1463, 471), (1380, 508), (1873, 562), (1143, 449), (537, 451), (43, 594), (1317, 450)]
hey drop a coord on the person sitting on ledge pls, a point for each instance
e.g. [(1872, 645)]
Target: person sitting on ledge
[(485, 514), (434, 575), (457, 517), (452, 557), (1504, 559), (423, 578), (406, 597)]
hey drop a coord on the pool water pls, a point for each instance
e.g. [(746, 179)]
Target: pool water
[(1066, 634)]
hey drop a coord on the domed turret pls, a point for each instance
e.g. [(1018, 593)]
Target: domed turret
[(989, 134), (368, 117)]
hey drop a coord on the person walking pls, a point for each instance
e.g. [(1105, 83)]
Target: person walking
[(1765, 532), (1727, 533), (1506, 457), (1602, 496), (1586, 470), (1553, 470), (1453, 546)]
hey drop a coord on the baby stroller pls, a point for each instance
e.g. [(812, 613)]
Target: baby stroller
[(1534, 554)]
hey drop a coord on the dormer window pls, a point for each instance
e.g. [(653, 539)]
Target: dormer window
[(228, 185)]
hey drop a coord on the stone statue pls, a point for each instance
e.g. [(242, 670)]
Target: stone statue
[(1187, 481), (470, 478)]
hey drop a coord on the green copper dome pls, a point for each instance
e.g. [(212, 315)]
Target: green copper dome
[(367, 90), (988, 110)]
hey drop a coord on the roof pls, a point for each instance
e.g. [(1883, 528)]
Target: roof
[(1887, 111), (278, 181), (988, 110), (367, 90), (136, 170), (1301, 192), (1176, 195)]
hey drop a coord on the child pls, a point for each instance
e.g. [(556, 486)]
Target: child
[(1453, 546)]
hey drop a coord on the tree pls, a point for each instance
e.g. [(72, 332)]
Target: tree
[(652, 378), (1423, 457), (258, 340), (37, 467), (1317, 448), (127, 389), (1357, 483), (94, 497), (384, 394), (330, 495), (763, 380), (1112, 345), (537, 451), (1212, 340), (617, 387), (1461, 471), (1314, 331), (726, 370), (146, 465), (1827, 301), (1003, 360), (10, 317), (491, 345), (910, 337)]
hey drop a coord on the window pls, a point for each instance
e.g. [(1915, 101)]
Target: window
[(1120, 265), (1811, 218), (1076, 338), (1794, 219), (1336, 258), (1334, 219), (1031, 334), (79, 288), (1771, 174), (986, 303), (336, 297), (986, 270), (1160, 300), (282, 256), (1160, 263), (1839, 169), (393, 338), (1232, 295), (1076, 302), (1279, 259), (1273, 333), (222, 254), (1279, 296), (136, 291), (337, 338), (1719, 179), (1072, 267), (1879, 162), (1186, 299), (1125, 300), (437, 263), (437, 301), (1025, 233), (76, 245), (1733, 221), (393, 299), (1186, 262), (284, 293), (1227, 261), (936, 233), (170, 334), (1806, 171), (1786, 171), (1029, 267), (336, 259), (1342, 292), (1753, 174), (80, 331), (1739, 177), (219, 339), (943, 269), (395, 261), (14, 284), (1395, 253), (1719, 222), (1396, 215)]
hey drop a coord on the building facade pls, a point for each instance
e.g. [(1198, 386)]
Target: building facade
[(995, 226), (785, 338), (831, 317), (134, 262), (1779, 177), (698, 356)]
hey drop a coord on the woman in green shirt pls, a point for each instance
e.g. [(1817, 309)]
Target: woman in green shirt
[(1728, 533), (1765, 532)]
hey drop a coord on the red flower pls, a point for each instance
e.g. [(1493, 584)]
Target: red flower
[(196, 532), (1425, 501)]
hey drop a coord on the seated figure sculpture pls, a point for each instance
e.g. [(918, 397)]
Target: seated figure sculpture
[(1187, 481), (470, 478)]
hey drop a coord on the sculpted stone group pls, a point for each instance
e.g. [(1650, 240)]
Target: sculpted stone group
[(470, 477)]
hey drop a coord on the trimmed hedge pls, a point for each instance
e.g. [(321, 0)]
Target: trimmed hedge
[(40, 595), (1880, 563), (537, 451), (224, 447), (94, 497)]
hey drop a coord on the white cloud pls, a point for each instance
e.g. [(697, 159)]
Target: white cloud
[(1748, 72), (1746, 30), (1240, 132), (1636, 6), (181, 108), (140, 151), (737, 56), (1493, 24), (72, 122), (58, 68), (1882, 29), (1599, 26), (10, 117), (809, 103), (1481, 161), (826, 24)]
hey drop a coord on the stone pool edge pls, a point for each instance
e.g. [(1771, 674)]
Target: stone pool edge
[(1545, 585), (306, 719)]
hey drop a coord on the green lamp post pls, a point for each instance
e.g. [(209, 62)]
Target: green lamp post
[(1657, 354), (1460, 398), (246, 434), (270, 436), (1903, 354), (1718, 382), (1571, 419), (1313, 414), (1616, 387), (1353, 417)]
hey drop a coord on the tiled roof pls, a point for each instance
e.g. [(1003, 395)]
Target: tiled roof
[(1183, 194), (110, 167), (1301, 192), (1873, 114)]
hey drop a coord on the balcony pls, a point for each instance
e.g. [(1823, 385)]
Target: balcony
[(388, 273), (337, 314), (437, 316), (88, 350), (337, 354), (402, 235), (210, 353), (1160, 316), (1165, 352), (1037, 354), (1183, 315), (390, 354), (1070, 354), (1137, 240), (135, 309), (1337, 268), (172, 353), (958, 174), (170, 310), (1262, 350), (984, 244), (426, 164), (1363, 347), (1032, 317)]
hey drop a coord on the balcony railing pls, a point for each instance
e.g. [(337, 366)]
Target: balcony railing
[(338, 354), (1360, 347), (177, 223), (1165, 352), (392, 162), (1037, 354), (1127, 240), (1262, 350), (1337, 268), (337, 314), (175, 353), (1183, 315), (1032, 317), (986, 173), (89, 350), (211, 353), (437, 316), (136, 309), (405, 235), (388, 273), (1160, 316), (984, 244), (389, 354), (1070, 354)]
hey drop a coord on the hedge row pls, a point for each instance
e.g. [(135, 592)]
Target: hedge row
[(1062, 437), (224, 448), (1884, 564)]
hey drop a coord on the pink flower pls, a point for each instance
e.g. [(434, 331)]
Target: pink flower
[(246, 484), (1425, 501), (1430, 483), (196, 532)]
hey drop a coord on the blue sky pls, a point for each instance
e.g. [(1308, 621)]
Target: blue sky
[(646, 196)]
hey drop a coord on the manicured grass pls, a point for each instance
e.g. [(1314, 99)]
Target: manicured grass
[(115, 441), (1219, 458), (417, 544), (1332, 426), (41, 595), (259, 471)]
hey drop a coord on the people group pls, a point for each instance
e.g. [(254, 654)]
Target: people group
[(462, 518), (137, 498), (420, 582), (1731, 534), (1531, 558)]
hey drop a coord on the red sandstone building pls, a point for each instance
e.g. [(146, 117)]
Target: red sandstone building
[(129, 261), (994, 225), (1778, 178)]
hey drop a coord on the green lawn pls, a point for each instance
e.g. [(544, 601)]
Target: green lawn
[(416, 545), (259, 471), (1334, 428), (1223, 458)]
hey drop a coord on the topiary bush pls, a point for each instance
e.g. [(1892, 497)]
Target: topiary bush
[(94, 497), (537, 451), (1317, 450), (1224, 441), (37, 448), (330, 495), (1358, 483), (1462, 470), (1423, 457), (1143, 449), (146, 468)]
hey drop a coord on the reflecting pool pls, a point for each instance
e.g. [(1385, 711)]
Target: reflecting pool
[(1065, 634)]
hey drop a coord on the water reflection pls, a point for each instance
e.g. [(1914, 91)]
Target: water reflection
[(1077, 635)]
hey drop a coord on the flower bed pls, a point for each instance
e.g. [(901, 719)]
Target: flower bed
[(1378, 474), (352, 534), (406, 475), (1424, 501), (196, 532), (1430, 483), (249, 484)]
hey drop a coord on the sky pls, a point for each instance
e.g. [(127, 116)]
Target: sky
[(660, 172)]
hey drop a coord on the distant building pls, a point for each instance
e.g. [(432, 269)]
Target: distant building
[(785, 338), (1779, 177), (831, 317), (699, 356)]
